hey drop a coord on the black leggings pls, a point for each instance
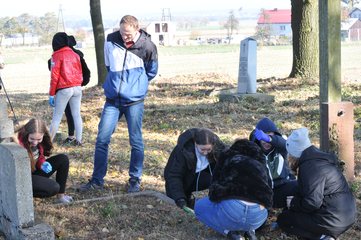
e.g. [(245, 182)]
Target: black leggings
[(43, 185), (69, 120)]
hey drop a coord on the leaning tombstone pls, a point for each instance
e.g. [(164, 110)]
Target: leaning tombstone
[(247, 76), (16, 197)]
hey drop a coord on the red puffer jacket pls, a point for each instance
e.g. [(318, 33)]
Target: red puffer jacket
[(65, 70)]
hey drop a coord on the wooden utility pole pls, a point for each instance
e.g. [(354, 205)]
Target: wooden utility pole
[(336, 121)]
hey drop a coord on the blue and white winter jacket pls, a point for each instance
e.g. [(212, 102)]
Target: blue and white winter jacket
[(129, 69)]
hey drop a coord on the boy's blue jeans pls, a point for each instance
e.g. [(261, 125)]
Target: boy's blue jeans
[(107, 125), (230, 215)]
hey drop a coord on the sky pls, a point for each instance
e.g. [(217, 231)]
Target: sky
[(115, 8)]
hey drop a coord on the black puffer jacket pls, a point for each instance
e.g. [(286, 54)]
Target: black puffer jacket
[(180, 171), (241, 173), (323, 190)]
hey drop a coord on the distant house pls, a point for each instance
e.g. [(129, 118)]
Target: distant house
[(162, 32), (277, 20), (355, 13), (351, 30)]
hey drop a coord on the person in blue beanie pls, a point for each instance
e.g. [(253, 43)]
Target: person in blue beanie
[(267, 136)]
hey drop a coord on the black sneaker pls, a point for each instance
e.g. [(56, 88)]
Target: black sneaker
[(90, 186), (235, 235), (134, 185), (250, 235), (77, 143), (69, 141)]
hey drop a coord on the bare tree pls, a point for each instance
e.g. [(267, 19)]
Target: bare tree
[(46, 27), (98, 31), (263, 31), (231, 25)]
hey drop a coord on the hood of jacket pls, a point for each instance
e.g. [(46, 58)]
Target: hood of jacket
[(266, 125), (312, 153), (60, 40)]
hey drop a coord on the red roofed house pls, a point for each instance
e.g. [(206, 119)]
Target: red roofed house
[(278, 21)]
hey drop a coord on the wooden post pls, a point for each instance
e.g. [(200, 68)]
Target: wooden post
[(330, 87)]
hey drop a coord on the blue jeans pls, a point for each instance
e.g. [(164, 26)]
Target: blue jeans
[(230, 215), (107, 125)]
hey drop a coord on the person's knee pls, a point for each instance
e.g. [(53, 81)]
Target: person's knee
[(64, 159)]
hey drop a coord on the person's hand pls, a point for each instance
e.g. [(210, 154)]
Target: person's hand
[(46, 167), (260, 135), (181, 203), (51, 101)]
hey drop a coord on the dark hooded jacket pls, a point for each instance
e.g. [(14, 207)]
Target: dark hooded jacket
[(241, 173), (276, 158), (180, 171), (323, 190)]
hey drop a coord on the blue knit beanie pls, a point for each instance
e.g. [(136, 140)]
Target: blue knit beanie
[(266, 125)]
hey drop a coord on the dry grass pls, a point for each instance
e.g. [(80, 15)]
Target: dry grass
[(174, 104)]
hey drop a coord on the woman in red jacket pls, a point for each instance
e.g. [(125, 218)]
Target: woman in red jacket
[(35, 138), (65, 85)]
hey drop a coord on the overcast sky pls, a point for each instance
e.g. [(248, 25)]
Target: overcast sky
[(118, 8)]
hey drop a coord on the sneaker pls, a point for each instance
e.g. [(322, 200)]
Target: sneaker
[(235, 235), (324, 237), (65, 199), (250, 235), (69, 140), (77, 143), (134, 185), (89, 187)]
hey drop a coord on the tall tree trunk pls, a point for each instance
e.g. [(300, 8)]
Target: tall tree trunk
[(98, 31), (304, 22)]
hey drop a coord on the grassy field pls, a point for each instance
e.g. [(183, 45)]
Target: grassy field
[(178, 99), (26, 70)]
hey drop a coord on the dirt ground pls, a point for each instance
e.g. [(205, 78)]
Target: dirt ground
[(173, 104)]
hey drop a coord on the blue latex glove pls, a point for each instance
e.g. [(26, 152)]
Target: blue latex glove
[(46, 167), (51, 101), (260, 135)]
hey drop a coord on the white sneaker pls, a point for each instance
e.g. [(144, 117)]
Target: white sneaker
[(65, 199)]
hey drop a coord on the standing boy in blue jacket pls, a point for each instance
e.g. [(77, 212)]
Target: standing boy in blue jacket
[(132, 61)]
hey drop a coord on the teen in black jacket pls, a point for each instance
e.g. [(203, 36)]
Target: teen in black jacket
[(191, 163), (324, 207)]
